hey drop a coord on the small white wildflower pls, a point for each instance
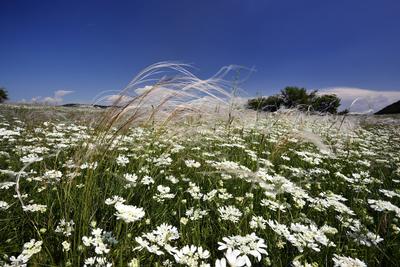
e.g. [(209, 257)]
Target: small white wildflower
[(34, 208), (90, 261), (163, 193), (245, 245), (87, 165), (31, 158), (195, 214), (122, 160), (128, 213), (158, 239), (113, 200), (30, 248), (66, 246), (184, 220), (97, 241), (342, 261), (6, 185), (64, 227), (131, 180), (52, 175), (381, 205), (147, 180), (230, 213), (191, 256), (192, 163), (4, 205), (257, 222)]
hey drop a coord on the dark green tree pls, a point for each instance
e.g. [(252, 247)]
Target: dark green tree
[(271, 103), (325, 103), (3, 94), (255, 103), (295, 97)]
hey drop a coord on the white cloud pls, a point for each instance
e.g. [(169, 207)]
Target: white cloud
[(363, 100), (62, 93), (111, 99), (35, 99), (121, 99), (143, 90), (52, 100)]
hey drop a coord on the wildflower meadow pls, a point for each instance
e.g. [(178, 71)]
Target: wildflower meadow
[(93, 187)]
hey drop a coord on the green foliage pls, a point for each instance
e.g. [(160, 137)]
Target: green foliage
[(325, 103), (3, 94), (271, 103), (295, 97)]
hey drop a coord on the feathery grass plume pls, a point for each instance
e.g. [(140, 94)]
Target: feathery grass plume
[(163, 92), (311, 137), (160, 93)]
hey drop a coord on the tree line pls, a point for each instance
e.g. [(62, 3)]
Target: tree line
[(289, 97), (295, 97), (3, 94)]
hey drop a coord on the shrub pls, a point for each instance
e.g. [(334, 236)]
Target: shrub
[(326, 103), (3, 95), (271, 103)]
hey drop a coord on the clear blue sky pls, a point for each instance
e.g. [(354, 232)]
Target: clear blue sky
[(91, 46)]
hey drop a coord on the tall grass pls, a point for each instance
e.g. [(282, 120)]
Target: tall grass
[(287, 168)]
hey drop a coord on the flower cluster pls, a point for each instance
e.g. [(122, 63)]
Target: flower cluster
[(244, 246), (128, 213), (30, 248), (158, 239)]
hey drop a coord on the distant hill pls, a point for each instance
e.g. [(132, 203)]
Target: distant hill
[(391, 109), (73, 105)]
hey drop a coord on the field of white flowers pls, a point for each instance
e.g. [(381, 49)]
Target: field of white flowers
[(272, 190)]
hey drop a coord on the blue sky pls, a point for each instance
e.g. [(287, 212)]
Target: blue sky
[(91, 46)]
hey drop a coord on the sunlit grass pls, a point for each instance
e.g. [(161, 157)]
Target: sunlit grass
[(222, 188)]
